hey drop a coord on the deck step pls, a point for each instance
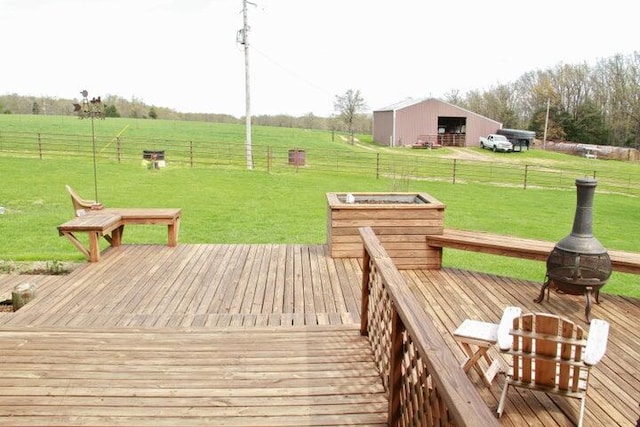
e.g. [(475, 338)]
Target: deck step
[(189, 376)]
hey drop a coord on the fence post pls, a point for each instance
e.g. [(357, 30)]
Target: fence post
[(191, 153), (40, 145), (526, 174), (118, 149), (455, 165), (377, 165)]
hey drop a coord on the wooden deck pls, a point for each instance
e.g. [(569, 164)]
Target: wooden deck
[(258, 335), (224, 376)]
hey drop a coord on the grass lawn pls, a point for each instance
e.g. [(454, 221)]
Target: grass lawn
[(233, 205)]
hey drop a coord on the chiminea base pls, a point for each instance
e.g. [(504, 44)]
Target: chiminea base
[(587, 291)]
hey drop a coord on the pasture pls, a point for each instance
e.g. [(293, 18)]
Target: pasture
[(225, 203)]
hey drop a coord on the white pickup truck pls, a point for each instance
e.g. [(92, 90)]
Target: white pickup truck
[(496, 143)]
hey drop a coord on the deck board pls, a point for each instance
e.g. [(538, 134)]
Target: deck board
[(205, 290)]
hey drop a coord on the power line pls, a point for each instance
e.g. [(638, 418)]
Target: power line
[(311, 84)]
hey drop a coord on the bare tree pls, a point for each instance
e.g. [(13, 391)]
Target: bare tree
[(454, 97), (348, 107)]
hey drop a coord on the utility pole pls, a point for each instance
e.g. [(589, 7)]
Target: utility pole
[(243, 38)]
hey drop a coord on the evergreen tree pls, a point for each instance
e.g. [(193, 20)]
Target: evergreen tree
[(111, 111)]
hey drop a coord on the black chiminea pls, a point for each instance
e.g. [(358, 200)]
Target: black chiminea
[(579, 264)]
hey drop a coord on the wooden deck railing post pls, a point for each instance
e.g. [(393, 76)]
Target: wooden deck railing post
[(395, 368), (366, 272)]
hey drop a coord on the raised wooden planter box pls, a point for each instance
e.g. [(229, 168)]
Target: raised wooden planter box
[(400, 220)]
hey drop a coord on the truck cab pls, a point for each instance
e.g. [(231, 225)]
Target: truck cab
[(496, 142)]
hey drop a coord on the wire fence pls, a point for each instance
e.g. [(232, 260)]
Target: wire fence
[(401, 166)]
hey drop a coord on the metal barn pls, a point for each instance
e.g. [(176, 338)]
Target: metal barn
[(430, 120)]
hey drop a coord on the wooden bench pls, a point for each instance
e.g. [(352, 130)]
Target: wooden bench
[(163, 216), (109, 223), (497, 244)]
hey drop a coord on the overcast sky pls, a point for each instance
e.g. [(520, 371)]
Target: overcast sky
[(183, 54)]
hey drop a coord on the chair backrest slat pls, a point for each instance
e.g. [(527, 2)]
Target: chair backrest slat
[(566, 353), (577, 356), (527, 348), (545, 369)]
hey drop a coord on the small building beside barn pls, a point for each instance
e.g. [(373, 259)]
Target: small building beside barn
[(431, 121)]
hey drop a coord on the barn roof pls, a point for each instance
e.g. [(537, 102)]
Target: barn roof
[(402, 104), (411, 101)]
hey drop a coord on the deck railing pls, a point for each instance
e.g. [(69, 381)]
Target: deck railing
[(425, 383)]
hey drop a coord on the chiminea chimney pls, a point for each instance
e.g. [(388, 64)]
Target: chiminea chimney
[(579, 264)]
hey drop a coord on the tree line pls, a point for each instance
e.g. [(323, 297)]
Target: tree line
[(116, 106), (593, 104)]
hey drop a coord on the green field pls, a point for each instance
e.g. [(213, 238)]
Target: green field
[(285, 205)]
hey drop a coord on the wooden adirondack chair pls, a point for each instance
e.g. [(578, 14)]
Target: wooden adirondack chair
[(551, 354), (81, 205)]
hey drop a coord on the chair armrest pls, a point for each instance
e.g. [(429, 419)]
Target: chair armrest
[(505, 340), (597, 341)]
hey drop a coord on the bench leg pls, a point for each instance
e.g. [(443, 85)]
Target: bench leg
[(94, 246), (93, 253), (173, 229), (116, 236), (77, 244)]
